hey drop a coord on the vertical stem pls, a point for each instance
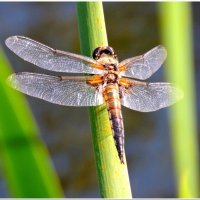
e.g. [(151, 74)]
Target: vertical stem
[(112, 175), (176, 27)]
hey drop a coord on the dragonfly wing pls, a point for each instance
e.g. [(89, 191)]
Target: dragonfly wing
[(49, 58), (148, 97), (59, 90), (142, 67)]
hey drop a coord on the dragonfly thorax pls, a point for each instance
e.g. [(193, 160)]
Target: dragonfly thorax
[(111, 77), (110, 67)]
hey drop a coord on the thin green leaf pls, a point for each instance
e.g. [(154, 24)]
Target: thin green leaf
[(176, 27), (27, 168)]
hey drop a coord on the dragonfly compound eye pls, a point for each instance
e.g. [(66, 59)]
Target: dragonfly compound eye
[(96, 53), (110, 50)]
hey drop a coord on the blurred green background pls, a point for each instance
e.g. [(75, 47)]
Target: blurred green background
[(133, 29)]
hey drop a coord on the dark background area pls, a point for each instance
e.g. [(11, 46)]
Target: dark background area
[(133, 29)]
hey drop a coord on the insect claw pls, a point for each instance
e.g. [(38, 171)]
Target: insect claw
[(122, 160)]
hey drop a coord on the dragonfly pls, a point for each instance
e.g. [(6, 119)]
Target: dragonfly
[(105, 80)]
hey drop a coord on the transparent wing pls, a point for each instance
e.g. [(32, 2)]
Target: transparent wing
[(59, 90), (51, 59), (142, 67), (147, 97)]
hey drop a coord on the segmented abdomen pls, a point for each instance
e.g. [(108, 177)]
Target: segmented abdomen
[(111, 96)]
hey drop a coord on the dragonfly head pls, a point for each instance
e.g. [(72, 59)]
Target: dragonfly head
[(100, 52), (106, 56)]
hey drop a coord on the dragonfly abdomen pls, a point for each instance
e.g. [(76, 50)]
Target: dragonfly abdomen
[(111, 96)]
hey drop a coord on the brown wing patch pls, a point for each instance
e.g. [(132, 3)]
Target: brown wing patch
[(94, 80), (97, 66), (126, 83), (91, 80), (122, 68)]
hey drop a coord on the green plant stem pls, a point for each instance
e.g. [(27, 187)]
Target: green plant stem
[(112, 175), (176, 27)]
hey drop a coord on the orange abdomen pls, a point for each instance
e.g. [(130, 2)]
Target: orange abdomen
[(112, 100)]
